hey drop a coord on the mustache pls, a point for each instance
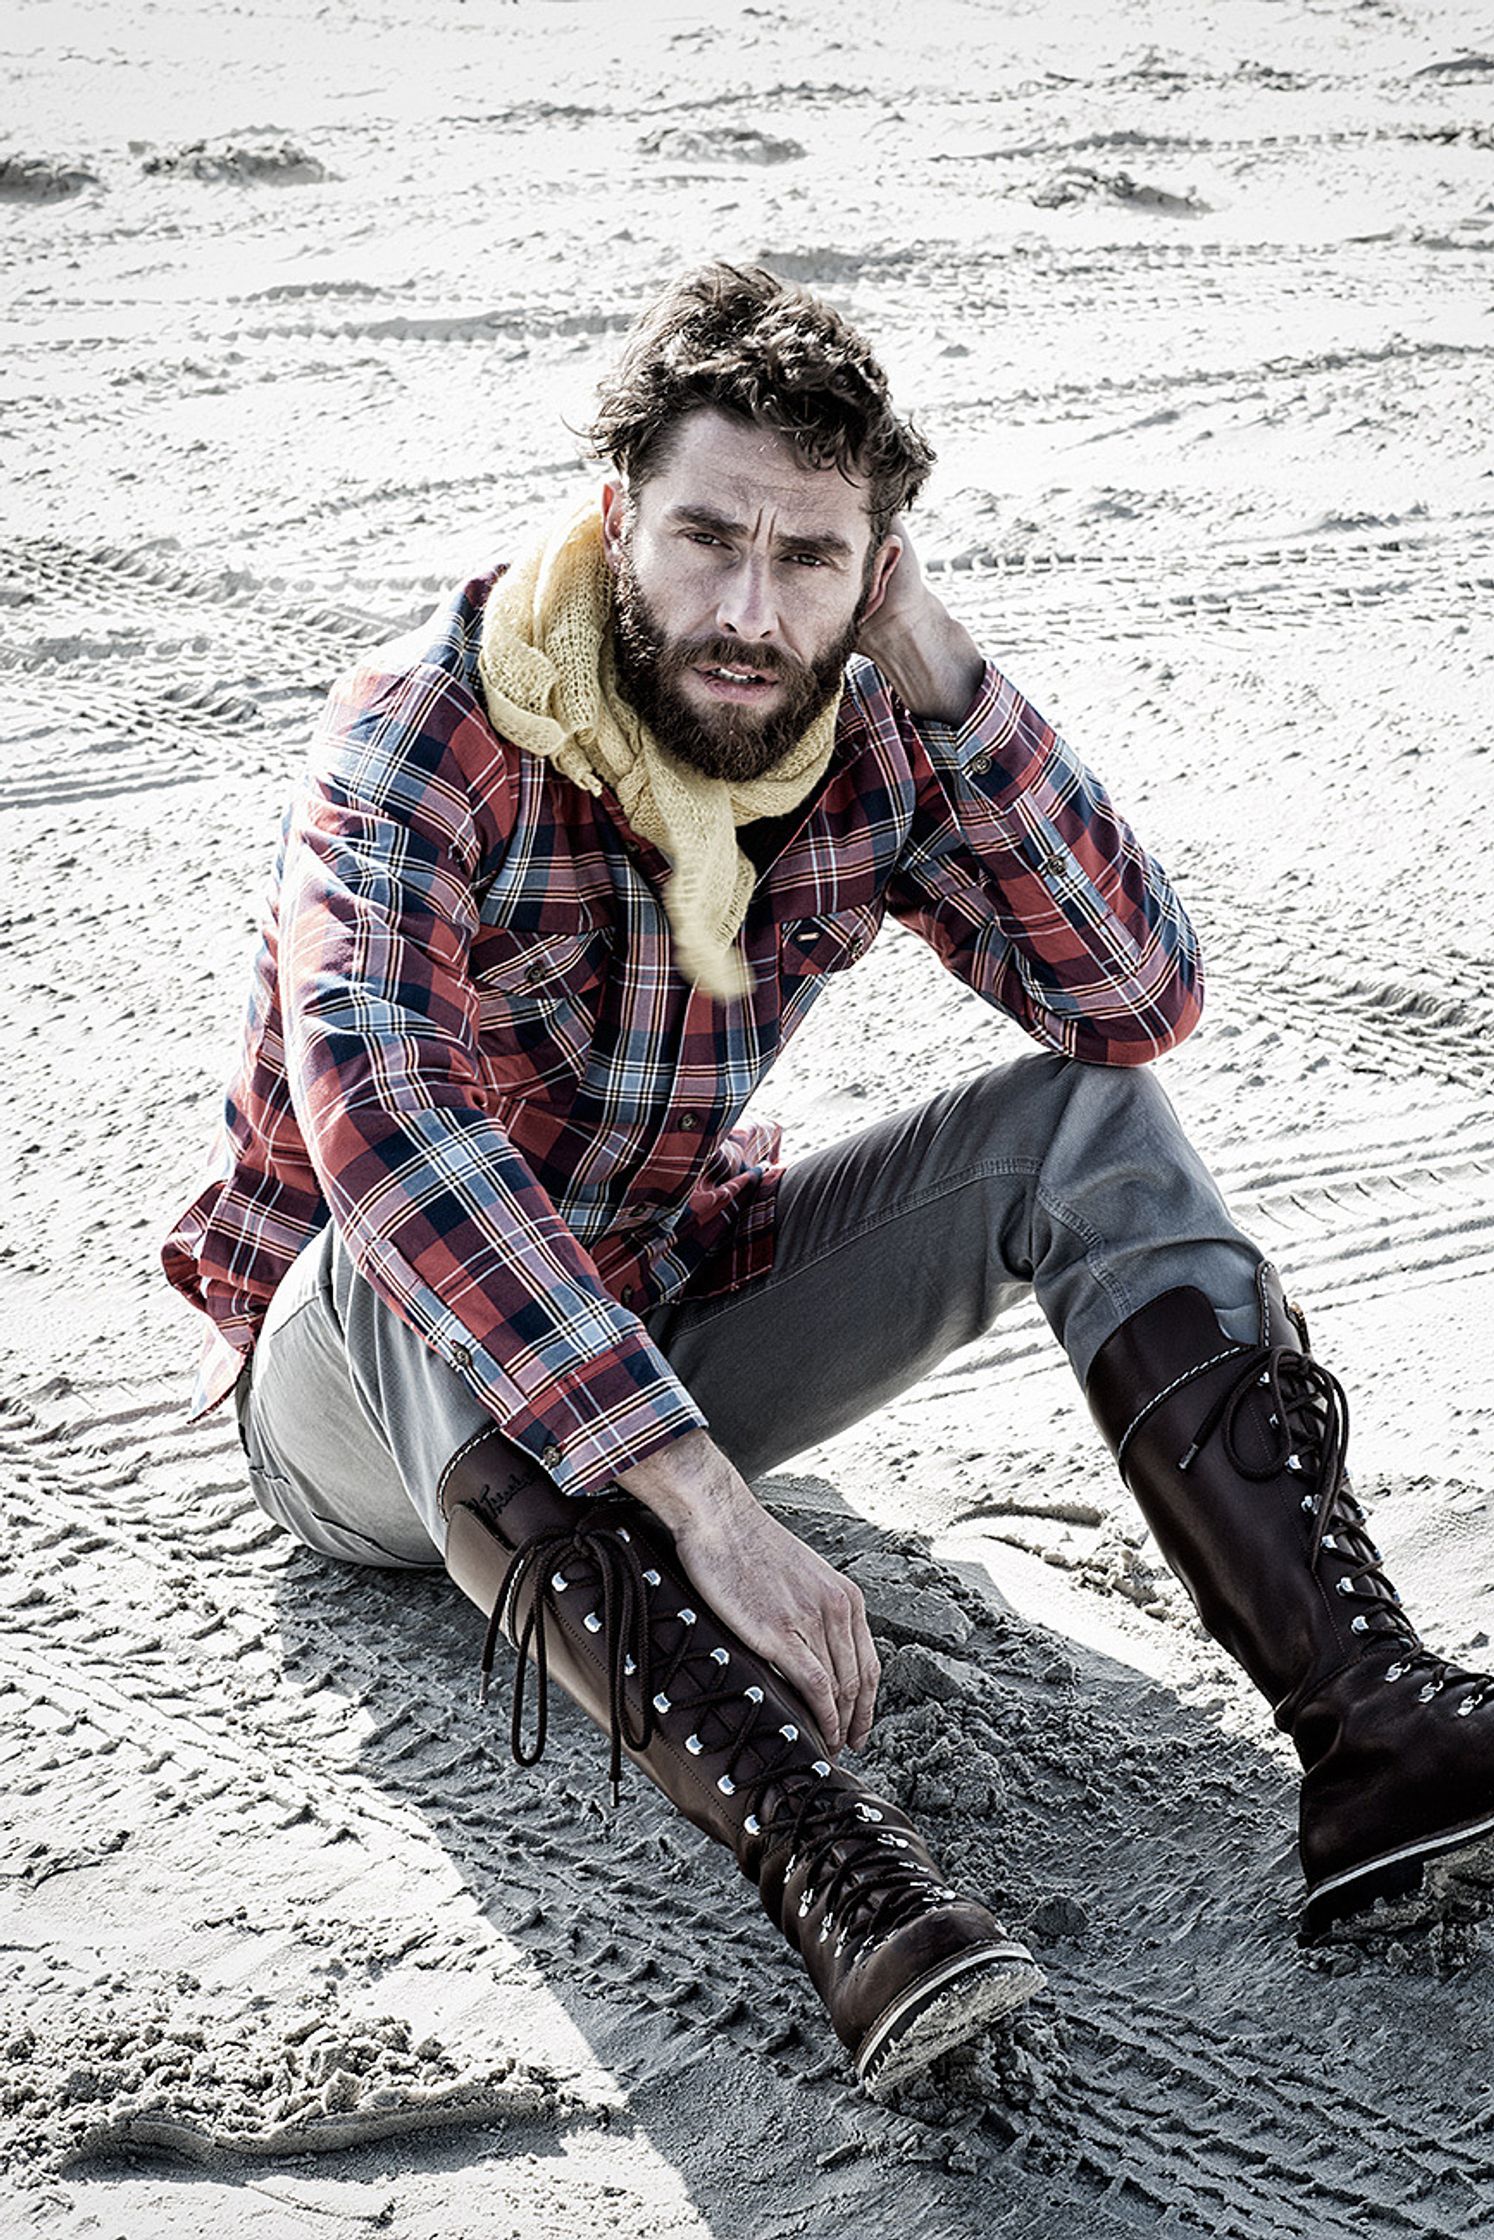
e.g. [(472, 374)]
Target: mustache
[(730, 653)]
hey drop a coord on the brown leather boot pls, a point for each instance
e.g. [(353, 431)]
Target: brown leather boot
[(1236, 1455), (594, 1592)]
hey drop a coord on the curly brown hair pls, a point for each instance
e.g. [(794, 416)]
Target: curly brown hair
[(741, 339)]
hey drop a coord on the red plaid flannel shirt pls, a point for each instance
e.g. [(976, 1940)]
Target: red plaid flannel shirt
[(466, 1043)]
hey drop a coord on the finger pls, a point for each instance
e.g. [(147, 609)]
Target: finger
[(840, 1639), (807, 1664), (870, 1666), (868, 1671)]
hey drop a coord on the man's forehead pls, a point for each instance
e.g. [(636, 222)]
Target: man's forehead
[(734, 469)]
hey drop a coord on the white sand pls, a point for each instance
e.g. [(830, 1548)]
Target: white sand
[(1195, 303)]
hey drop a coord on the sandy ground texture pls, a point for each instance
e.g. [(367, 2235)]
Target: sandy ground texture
[(1195, 301)]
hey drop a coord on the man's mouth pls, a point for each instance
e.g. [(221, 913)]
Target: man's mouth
[(738, 677), (732, 678)]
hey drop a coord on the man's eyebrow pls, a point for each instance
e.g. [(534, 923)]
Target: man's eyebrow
[(824, 542)]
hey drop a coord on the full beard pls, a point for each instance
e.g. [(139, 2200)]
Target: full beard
[(737, 744)]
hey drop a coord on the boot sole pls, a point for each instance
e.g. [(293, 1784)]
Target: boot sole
[(943, 2010), (1443, 1877)]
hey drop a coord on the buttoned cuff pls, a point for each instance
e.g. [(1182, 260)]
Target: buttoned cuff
[(607, 1415), (993, 744)]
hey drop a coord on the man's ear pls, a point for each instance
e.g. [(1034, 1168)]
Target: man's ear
[(614, 523), (884, 562)]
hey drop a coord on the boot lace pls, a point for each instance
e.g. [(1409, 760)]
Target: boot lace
[(875, 1881), (1309, 1417), (542, 1560)]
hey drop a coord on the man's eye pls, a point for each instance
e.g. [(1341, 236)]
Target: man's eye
[(700, 536), (807, 559)]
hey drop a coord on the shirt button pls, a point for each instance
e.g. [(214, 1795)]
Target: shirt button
[(689, 1123), (980, 765), (461, 1358), (629, 1294), (534, 975), (551, 1458)]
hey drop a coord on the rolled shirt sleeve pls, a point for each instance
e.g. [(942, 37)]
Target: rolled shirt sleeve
[(1031, 888), (440, 1213)]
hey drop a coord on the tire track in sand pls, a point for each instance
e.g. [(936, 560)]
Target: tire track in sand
[(131, 672)]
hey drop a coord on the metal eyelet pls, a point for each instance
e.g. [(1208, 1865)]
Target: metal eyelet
[(559, 1581), (1347, 1586), (623, 1533), (592, 1622), (1294, 1462), (1394, 1671), (868, 1812), (753, 1825), (694, 1745), (721, 1656), (726, 1785), (652, 1577), (1359, 1624), (1432, 1688), (820, 1767), (790, 1733), (687, 1617), (629, 1667), (662, 1703), (1309, 1502), (1468, 1705), (753, 1695)]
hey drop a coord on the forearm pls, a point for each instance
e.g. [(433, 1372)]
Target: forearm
[(688, 1481), (447, 1223), (1032, 887), (933, 665), (1020, 872), (440, 1211)]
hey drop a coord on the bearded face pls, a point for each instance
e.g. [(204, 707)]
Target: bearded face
[(730, 737)]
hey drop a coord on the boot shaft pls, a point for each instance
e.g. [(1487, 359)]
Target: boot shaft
[(1235, 1454), (595, 1594)]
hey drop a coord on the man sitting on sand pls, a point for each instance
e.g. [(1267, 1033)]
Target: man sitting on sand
[(500, 1280)]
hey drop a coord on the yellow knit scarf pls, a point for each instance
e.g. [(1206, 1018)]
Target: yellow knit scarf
[(548, 678)]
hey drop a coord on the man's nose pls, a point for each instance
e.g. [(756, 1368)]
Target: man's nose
[(746, 606)]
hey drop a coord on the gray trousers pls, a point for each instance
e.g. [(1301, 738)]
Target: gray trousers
[(1073, 1183)]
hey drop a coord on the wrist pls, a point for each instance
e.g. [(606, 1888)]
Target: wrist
[(687, 1483), (933, 665)]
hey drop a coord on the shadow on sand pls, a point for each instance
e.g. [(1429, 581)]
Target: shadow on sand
[(1186, 2066)]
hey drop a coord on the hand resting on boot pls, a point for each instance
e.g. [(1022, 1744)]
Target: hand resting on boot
[(784, 1600)]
